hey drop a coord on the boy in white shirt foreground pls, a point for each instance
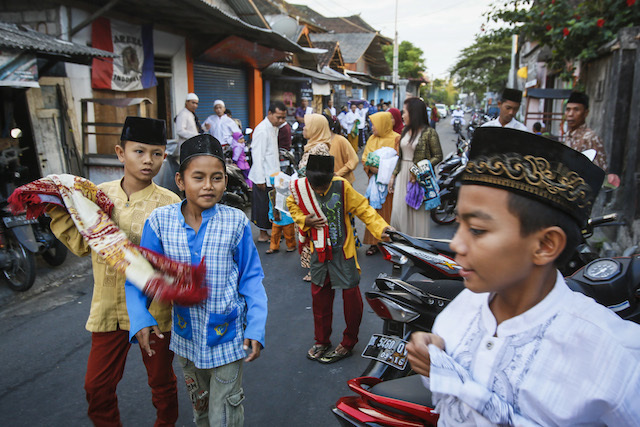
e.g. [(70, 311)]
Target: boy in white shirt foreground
[(518, 347)]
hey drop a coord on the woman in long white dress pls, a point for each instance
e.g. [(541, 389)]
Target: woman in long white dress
[(418, 141)]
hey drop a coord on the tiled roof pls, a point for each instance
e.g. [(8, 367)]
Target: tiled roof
[(325, 58), (22, 38), (352, 45), (348, 24)]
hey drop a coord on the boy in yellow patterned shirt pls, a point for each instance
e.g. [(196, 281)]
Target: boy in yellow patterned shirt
[(135, 196)]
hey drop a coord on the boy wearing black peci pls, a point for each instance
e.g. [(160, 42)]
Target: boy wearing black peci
[(518, 347)]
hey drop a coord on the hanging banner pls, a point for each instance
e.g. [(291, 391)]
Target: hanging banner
[(18, 69), (133, 68)]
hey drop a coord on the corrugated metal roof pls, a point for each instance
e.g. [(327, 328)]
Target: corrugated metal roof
[(352, 45), (22, 38)]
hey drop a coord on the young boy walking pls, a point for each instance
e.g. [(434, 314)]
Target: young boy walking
[(135, 196), (320, 205), (210, 339), (518, 347)]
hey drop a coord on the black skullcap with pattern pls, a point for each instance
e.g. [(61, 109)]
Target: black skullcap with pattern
[(535, 167)]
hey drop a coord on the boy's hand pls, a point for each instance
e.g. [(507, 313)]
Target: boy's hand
[(418, 351), (143, 338), (255, 349), (312, 221), (385, 236), (373, 170), (392, 182)]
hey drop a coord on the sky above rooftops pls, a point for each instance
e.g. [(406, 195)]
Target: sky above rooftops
[(440, 28)]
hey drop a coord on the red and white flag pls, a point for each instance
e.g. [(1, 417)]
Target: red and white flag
[(133, 68)]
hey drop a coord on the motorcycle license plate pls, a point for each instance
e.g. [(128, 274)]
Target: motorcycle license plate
[(16, 221), (386, 349)]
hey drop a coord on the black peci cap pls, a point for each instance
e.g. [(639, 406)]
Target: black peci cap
[(514, 95), (201, 145), (579, 98), (318, 163), (535, 167), (144, 130)]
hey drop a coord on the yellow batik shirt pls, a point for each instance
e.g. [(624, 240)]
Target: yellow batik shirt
[(108, 305)]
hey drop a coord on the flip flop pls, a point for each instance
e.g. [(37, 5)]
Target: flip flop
[(317, 351), (270, 251), (333, 356), (374, 249), (307, 278), (291, 249)]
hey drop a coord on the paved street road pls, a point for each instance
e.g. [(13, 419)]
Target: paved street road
[(45, 348)]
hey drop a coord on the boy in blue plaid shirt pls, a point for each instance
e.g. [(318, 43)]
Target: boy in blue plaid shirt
[(210, 339)]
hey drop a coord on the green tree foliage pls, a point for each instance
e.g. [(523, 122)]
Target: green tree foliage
[(483, 65), (573, 29), (441, 91), (410, 59)]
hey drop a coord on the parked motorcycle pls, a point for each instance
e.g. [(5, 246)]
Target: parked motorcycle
[(297, 143), (449, 172), (237, 194), (288, 163)]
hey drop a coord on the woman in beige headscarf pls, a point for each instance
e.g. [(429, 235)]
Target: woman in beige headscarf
[(318, 136), (316, 131), (383, 136)]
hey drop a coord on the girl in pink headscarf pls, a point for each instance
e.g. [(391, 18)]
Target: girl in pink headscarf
[(239, 156)]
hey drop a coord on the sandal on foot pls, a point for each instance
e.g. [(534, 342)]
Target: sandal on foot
[(270, 251), (291, 249), (373, 249), (317, 351), (307, 278), (335, 355)]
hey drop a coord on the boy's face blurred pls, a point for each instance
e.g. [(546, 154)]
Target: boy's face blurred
[(141, 161), (488, 244), (203, 181)]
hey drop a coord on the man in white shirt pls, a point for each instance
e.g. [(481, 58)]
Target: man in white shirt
[(221, 126), (187, 124), (363, 123), (266, 161), (331, 108), (349, 122), (509, 105)]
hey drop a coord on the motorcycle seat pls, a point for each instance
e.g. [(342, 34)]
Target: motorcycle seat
[(408, 389), (444, 289), (441, 246)]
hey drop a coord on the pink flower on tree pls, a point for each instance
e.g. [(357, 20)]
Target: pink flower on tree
[(565, 31)]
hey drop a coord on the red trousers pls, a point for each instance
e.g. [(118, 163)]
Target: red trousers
[(104, 371), (322, 297)]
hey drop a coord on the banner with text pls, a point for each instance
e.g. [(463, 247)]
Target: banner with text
[(133, 68)]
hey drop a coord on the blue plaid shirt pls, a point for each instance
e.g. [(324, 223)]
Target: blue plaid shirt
[(210, 334)]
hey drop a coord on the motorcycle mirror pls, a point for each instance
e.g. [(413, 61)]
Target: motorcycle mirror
[(248, 131), (295, 126), (590, 153), (16, 133)]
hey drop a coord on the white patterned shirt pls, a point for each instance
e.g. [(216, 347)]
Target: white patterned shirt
[(566, 361)]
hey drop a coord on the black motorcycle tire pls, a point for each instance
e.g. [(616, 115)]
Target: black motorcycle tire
[(55, 255), (22, 273), (444, 214)]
